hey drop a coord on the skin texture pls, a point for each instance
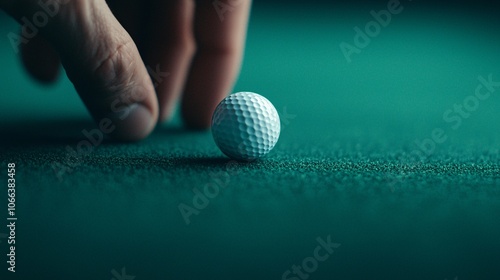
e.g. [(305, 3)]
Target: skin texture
[(193, 48)]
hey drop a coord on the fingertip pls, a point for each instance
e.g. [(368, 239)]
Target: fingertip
[(135, 123)]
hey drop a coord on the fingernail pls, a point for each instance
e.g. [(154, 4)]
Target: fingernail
[(132, 123)]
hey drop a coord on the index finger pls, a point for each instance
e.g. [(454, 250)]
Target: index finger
[(220, 32)]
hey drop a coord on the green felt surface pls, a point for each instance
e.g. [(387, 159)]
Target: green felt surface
[(345, 164)]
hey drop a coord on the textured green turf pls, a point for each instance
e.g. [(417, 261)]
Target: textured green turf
[(175, 156), (344, 165)]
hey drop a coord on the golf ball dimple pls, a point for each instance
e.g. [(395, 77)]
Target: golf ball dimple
[(245, 126)]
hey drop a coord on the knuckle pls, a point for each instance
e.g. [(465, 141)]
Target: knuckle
[(112, 68)]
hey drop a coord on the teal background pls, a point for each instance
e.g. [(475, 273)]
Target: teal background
[(342, 166)]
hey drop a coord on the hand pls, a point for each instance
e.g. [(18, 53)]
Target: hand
[(189, 47)]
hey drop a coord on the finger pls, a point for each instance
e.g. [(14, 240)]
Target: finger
[(169, 50), (103, 63), (220, 32), (40, 59)]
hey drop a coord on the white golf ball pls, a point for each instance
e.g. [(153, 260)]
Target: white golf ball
[(245, 126)]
